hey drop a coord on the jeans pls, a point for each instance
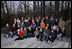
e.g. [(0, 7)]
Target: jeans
[(9, 35), (45, 38), (6, 35), (59, 36)]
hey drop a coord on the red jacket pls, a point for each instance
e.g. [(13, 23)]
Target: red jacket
[(20, 33)]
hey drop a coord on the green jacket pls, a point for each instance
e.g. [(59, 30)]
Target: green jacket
[(25, 33)]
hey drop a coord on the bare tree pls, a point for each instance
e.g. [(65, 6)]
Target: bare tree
[(57, 8), (43, 8), (34, 4)]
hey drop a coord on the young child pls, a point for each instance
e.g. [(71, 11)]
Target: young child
[(45, 37), (41, 32), (48, 25), (30, 32), (33, 25), (18, 21), (52, 36), (25, 33), (20, 34), (22, 19), (36, 32), (22, 25), (59, 33)]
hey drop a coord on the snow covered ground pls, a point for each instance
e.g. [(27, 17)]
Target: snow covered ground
[(33, 43)]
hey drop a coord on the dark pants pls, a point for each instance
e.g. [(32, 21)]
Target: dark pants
[(24, 37), (38, 36), (19, 38), (45, 37), (53, 38), (41, 36), (29, 35)]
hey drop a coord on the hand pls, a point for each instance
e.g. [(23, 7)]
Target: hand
[(50, 36)]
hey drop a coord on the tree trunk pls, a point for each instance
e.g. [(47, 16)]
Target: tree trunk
[(43, 8), (38, 8), (25, 8), (56, 9), (34, 3)]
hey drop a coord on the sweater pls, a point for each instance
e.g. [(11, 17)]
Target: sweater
[(42, 25)]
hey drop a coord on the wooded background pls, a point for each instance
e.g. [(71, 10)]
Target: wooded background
[(14, 9)]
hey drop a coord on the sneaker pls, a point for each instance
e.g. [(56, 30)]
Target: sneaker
[(48, 41)]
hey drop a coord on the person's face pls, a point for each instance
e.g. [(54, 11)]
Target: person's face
[(32, 20), (13, 25), (47, 24), (46, 17), (21, 28), (7, 25), (52, 30), (57, 28), (29, 28), (51, 18), (29, 18), (14, 19), (42, 21), (17, 18), (39, 17), (56, 20), (36, 29), (40, 29), (60, 19), (37, 20), (24, 28), (22, 18), (46, 27), (22, 23)]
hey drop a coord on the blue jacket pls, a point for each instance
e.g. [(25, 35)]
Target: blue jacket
[(37, 23), (52, 22)]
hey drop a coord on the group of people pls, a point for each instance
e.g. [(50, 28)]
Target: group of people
[(44, 29)]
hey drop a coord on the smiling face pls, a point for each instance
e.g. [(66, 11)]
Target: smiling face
[(36, 29), (24, 28), (46, 27), (7, 25), (47, 24), (51, 18), (56, 19), (29, 27), (47, 17), (21, 28), (13, 25), (22, 18)]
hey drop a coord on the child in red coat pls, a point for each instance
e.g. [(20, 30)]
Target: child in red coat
[(20, 34)]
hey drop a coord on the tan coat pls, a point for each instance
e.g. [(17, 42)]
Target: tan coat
[(61, 24)]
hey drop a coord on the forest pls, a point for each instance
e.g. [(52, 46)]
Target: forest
[(14, 9)]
